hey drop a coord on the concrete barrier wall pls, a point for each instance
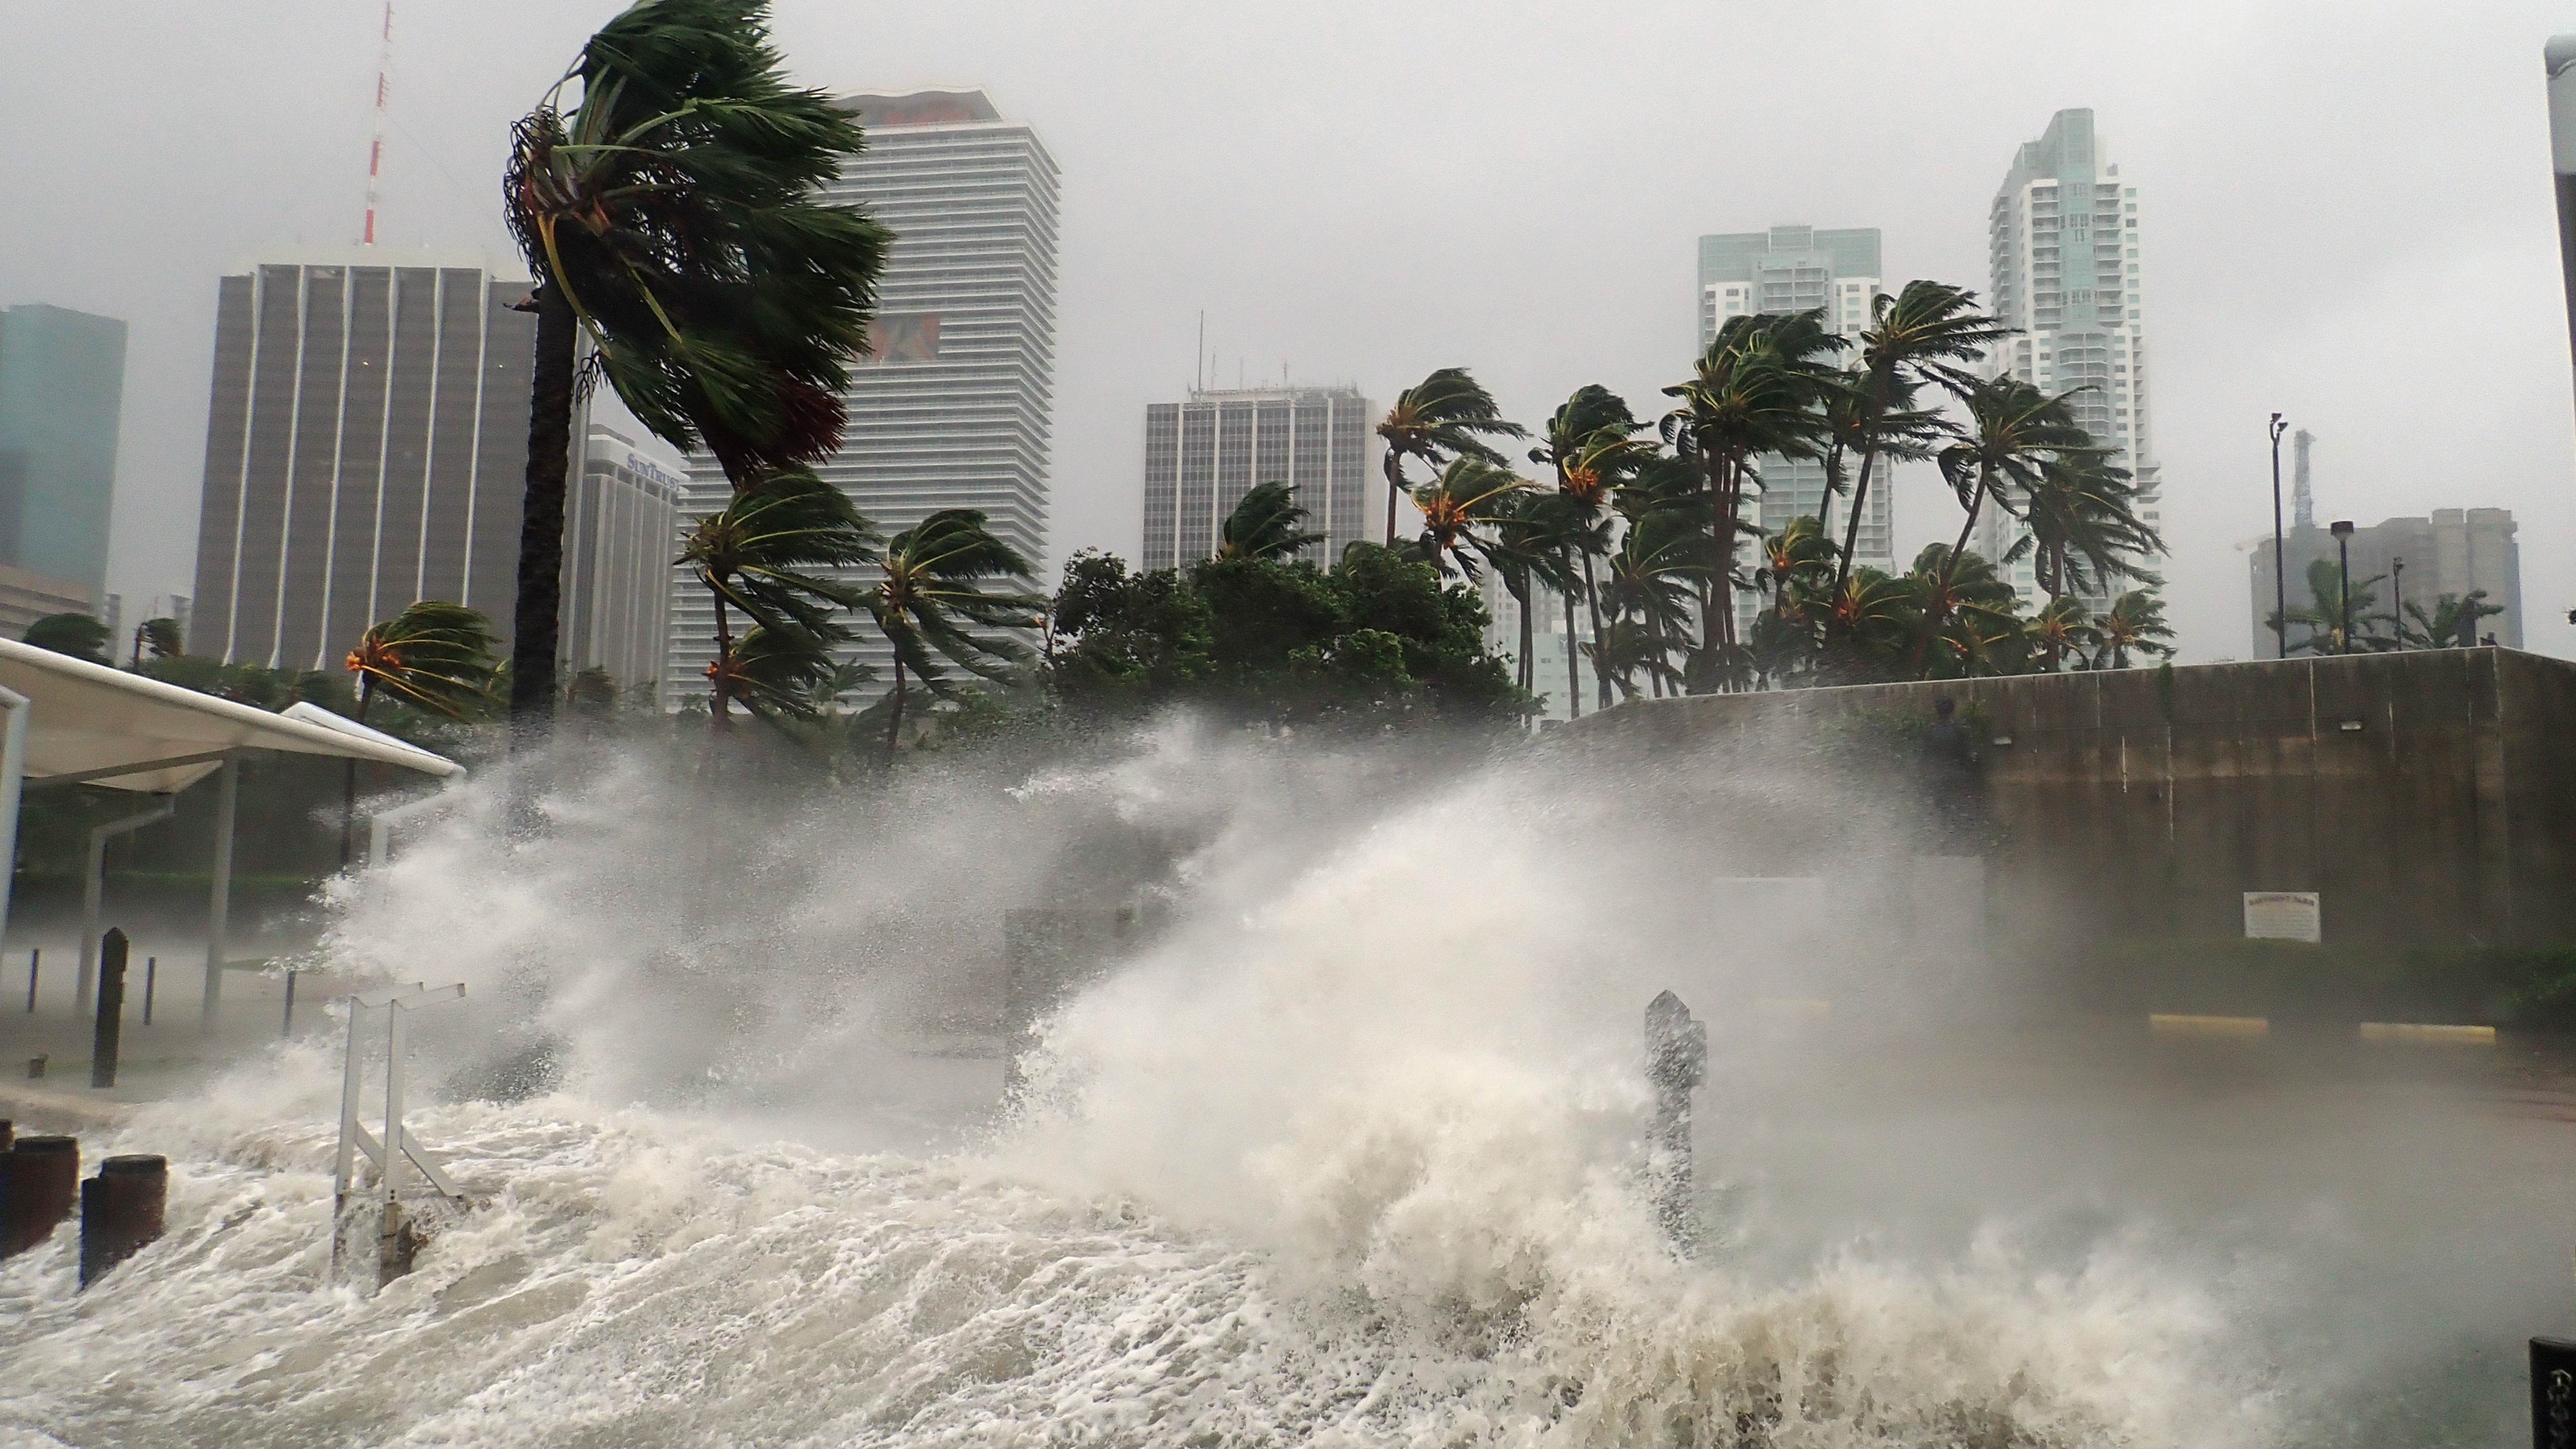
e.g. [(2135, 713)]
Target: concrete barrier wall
[(2429, 796)]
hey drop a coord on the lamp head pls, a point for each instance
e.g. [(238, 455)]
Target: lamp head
[(2340, 528)]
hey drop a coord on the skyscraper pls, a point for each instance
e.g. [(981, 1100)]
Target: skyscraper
[(366, 446), (621, 531), (62, 386), (1203, 455), (1799, 269), (2062, 249), (951, 409)]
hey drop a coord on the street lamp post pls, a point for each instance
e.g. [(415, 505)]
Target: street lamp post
[(2341, 528), (2280, 555), (2397, 568)]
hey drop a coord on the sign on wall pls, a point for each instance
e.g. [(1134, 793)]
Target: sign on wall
[(2283, 916)]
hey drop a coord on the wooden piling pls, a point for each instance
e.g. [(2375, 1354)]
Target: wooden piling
[(1676, 1062), (39, 1181), (121, 1211), (111, 1007)]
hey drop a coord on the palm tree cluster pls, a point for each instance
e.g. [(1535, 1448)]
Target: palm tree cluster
[(2340, 621), (1650, 530)]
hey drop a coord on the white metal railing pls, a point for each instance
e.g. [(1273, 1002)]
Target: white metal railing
[(396, 1147)]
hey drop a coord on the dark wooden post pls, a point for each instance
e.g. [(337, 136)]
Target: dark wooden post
[(39, 1178), (1676, 1062), (111, 1007), (151, 969), (121, 1210)]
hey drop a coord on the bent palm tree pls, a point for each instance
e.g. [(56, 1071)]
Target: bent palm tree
[(2136, 621), (673, 216), (1929, 332), (932, 591), (1266, 524), (2453, 623), (2084, 529), (436, 657), (1460, 509), (1446, 415), (2013, 429), (758, 555)]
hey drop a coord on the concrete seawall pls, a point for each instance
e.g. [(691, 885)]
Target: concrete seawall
[(2429, 796)]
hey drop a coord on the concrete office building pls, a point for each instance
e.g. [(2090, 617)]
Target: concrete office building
[(621, 531), (62, 388), (366, 446), (1203, 455), (2062, 253), (952, 408), (26, 596), (2452, 551), (1798, 269)]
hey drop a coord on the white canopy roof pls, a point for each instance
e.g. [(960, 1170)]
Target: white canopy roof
[(86, 718)]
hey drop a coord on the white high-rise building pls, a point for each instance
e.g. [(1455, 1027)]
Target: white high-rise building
[(1203, 455), (1800, 269), (621, 530), (951, 408), (2062, 248)]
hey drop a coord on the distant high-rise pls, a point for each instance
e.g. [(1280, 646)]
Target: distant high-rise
[(621, 531), (366, 446), (62, 386), (1800, 269), (2062, 251), (1203, 455), (951, 410)]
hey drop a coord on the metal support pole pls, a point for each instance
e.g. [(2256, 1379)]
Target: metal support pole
[(151, 969), (2342, 529), (35, 960), (2559, 58), (287, 1027), (93, 895), (13, 769), (2280, 553), (219, 908)]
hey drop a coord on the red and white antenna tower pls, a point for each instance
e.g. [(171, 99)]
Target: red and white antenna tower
[(376, 148)]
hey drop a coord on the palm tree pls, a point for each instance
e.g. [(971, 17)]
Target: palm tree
[(1660, 566), (1757, 389), (1266, 524), (2136, 621), (674, 217), (1444, 416), (161, 636), (2013, 428), (1929, 332), (1967, 616), (2453, 623), (1869, 626), (759, 554), (2083, 528), (780, 674), (932, 590), (2063, 627), (1532, 534), (1460, 509), (436, 657), (1591, 443), (2329, 632)]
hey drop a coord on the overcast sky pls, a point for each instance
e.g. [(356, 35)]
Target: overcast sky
[(2346, 209)]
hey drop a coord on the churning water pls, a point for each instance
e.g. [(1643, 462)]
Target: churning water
[(1348, 1157)]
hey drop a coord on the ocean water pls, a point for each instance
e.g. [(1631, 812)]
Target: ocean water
[(1350, 1157)]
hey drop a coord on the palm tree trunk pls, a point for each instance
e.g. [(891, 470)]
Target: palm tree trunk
[(349, 778), (1394, 486), (1528, 666), (541, 522), (1600, 633), (1573, 676), (719, 709), (1860, 490), (894, 720), (1936, 616)]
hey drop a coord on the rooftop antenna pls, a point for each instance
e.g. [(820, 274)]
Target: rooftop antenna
[(2303, 499), (376, 146), (1198, 364)]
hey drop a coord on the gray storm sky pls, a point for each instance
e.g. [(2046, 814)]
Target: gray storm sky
[(2347, 210)]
